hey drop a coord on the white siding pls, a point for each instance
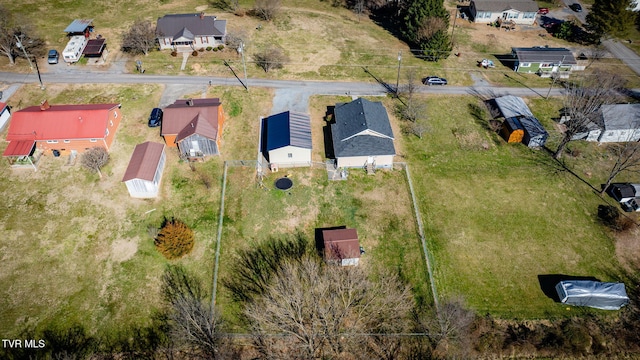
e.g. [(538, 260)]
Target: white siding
[(4, 117), (289, 155), (141, 189), (350, 262), (361, 161), (620, 135)]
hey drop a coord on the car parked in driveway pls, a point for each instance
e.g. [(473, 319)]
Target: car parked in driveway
[(576, 7), (52, 57), (434, 80), (155, 118), (543, 11)]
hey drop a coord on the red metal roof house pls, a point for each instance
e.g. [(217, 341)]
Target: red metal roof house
[(64, 128)]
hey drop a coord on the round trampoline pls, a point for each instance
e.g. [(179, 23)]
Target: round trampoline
[(284, 183)]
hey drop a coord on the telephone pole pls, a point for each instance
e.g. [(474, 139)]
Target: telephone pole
[(21, 46)]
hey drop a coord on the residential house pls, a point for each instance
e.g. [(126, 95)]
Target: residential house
[(194, 126), (62, 129), (521, 12), (286, 139), (614, 123), (544, 61), (341, 246), (5, 114), (362, 135), (144, 172), (190, 31), (520, 125)]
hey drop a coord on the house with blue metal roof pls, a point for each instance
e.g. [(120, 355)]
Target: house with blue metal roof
[(362, 135), (286, 139)]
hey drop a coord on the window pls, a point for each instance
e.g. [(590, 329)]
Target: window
[(546, 65), (115, 115), (513, 16), (529, 15), (110, 123), (52, 141), (67, 141), (93, 140), (289, 155), (525, 64), (106, 132)]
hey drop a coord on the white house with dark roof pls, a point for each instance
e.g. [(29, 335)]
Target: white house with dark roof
[(615, 123), (362, 135), (521, 12), (286, 139), (544, 61), (144, 172), (190, 31)]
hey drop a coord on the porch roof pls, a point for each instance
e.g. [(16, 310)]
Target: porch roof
[(19, 148)]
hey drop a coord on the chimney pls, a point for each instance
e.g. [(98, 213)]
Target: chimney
[(189, 102), (202, 15), (44, 105)]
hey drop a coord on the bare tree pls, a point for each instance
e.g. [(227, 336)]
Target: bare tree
[(191, 318), (140, 38), (14, 31), (272, 57), (95, 158), (267, 9), (359, 7), (582, 102), (7, 31), (235, 39), (627, 159), (323, 310), (411, 108), (595, 53), (449, 329)]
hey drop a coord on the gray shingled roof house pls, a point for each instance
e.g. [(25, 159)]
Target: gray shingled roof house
[(544, 61), (286, 139), (190, 31), (522, 12), (615, 123), (362, 135)]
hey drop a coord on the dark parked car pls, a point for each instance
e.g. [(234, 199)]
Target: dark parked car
[(434, 80), (576, 7), (155, 119), (52, 58)]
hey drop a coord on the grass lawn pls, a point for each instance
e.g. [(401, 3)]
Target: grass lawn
[(76, 249), (498, 215)]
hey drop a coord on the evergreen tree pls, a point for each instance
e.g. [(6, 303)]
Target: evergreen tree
[(611, 17), (425, 24)]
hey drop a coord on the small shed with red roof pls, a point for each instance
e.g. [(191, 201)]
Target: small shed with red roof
[(341, 246), (144, 172)]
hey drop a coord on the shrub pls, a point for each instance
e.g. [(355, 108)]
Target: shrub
[(220, 47), (174, 53), (201, 50), (215, 49), (175, 239), (611, 217), (94, 159), (194, 53), (209, 48)]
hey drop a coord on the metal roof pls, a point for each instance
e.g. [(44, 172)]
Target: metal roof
[(94, 47), (545, 55), (78, 26), (174, 25), (362, 128), (621, 116), (19, 148), (341, 244), (509, 106), (184, 114), (288, 129), (144, 161), (503, 5)]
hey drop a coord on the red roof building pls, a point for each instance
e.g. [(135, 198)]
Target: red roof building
[(64, 128), (341, 246), (145, 169), (194, 126)]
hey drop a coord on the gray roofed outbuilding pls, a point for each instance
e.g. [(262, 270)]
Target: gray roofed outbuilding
[(545, 55), (288, 129), (361, 128), (78, 26), (502, 5), (508, 106), (621, 116)]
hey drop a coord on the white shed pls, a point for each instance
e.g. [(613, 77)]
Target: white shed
[(5, 114), (145, 169), (287, 139)]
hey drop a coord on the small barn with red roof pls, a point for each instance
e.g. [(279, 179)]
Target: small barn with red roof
[(144, 172), (194, 126), (61, 129), (341, 246)]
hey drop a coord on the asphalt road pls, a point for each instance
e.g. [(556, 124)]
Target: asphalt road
[(306, 87)]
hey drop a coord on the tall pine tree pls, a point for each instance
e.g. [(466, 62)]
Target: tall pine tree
[(425, 26), (611, 18)]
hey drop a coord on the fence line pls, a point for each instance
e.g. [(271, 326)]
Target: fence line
[(427, 254), (218, 240)]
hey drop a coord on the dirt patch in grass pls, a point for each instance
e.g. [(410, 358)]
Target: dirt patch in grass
[(628, 248), (123, 250)]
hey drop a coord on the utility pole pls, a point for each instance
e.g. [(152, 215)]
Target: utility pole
[(21, 46), (244, 65), (398, 77)]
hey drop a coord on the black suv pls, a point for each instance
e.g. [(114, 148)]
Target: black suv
[(155, 119)]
